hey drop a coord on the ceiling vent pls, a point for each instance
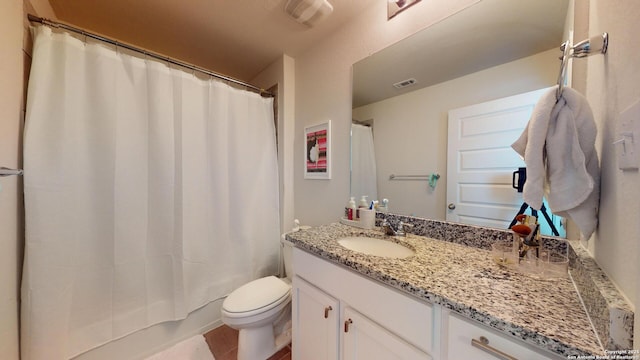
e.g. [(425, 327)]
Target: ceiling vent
[(308, 12), (405, 83)]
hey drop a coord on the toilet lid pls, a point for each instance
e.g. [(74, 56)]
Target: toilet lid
[(256, 294)]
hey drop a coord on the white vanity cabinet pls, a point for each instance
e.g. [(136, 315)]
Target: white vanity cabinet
[(373, 321), (470, 340)]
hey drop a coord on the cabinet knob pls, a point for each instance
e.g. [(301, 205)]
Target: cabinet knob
[(451, 206), (483, 344), (326, 311), (346, 325)]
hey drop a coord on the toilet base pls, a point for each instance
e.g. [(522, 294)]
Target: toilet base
[(262, 342), (256, 343)]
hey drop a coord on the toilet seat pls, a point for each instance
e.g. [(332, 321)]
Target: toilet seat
[(256, 297)]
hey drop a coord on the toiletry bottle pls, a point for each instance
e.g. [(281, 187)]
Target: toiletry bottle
[(351, 209), (363, 204), (384, 207)]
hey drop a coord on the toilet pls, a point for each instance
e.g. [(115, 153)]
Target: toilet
[(261, 311)]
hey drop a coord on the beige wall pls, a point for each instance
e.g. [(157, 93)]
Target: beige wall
[(14, 61), (613, 84), (323, 92), (282, 72), (11, 65), (410, 130)]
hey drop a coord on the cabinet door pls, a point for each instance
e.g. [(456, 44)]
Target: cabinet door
[(467, 340), (362, 339), (315, 323)]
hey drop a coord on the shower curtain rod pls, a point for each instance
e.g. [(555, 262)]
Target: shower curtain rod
[(51, 23)]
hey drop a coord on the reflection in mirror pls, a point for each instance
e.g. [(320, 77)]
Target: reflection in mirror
[(363, 160), (491, 50)]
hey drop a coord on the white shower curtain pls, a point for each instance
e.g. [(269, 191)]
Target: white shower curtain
[(149, 192), (363, 163)]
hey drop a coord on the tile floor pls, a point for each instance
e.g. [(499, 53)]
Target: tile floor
[(223, 343)]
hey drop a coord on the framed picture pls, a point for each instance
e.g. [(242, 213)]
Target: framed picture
[(317, 151)]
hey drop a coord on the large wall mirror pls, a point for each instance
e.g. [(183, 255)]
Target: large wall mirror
[(402, 96)]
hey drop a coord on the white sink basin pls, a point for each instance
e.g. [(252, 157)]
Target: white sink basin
[(376, 247)]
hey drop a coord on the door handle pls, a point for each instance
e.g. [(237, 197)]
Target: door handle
[(346, 325), (451, 206), (483, 344), (326, 311)]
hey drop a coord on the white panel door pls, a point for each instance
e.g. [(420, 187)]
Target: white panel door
[(480, 160)]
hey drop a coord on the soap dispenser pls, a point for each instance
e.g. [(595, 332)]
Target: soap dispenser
[(351, 208), (363, 204)]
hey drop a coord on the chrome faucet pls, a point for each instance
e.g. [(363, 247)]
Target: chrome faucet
[(388, 229)]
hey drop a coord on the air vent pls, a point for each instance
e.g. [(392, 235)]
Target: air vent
[(405, 83), (308, 12)]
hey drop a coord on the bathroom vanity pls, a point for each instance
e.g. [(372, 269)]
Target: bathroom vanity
[(447, 301)]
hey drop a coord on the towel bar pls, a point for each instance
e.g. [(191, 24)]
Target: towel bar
[(411, 177), (594, 45), (4, 171)]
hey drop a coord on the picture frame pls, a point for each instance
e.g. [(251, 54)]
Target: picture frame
[(317, 151)]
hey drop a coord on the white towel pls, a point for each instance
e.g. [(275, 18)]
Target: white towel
[(558, 147)]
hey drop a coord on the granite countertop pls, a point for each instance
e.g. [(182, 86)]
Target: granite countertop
[(544, 313)]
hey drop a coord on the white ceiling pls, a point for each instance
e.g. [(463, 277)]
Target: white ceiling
[(238, 38)]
